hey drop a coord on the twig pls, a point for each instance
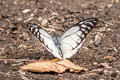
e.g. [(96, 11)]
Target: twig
[(17, 60)]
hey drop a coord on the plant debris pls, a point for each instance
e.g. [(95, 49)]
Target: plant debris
[(58, 66)]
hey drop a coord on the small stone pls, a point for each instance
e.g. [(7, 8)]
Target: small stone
[(44, 22), (26, 10), (102, 29), (29, 19), (40, 19), (12, 27), (54, 14), (32, 15), (110, 5), (95, 63), (85, 48), (22, 46), (98, 38), (109, 29), (19, 19), (114, 75), (105, 65), (115, 1)]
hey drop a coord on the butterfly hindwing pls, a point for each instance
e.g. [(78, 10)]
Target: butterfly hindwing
[(74, 37), (45, 38)]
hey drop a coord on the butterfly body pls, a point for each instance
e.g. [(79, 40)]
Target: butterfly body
[(69, 43), (57, 43), (56, 40)]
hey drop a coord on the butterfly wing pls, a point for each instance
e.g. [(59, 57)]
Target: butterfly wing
[(45, 38), (73, 38)]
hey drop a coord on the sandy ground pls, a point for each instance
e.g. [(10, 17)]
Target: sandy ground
[(18, 45)]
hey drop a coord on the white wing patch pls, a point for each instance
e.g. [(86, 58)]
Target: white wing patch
[(70, 31)]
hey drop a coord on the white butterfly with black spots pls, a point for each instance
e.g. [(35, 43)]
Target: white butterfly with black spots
[(69, 43)]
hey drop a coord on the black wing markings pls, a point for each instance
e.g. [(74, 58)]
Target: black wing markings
[(32, 27), (85, 27)]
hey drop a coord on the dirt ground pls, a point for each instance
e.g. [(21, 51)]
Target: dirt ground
[(18, 45)]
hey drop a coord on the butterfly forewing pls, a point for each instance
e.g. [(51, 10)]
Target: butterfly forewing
[(45, 38), (74, 37)]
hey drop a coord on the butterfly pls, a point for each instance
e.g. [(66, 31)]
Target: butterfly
[(69, 43)]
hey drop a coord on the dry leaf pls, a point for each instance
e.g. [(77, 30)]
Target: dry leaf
[(110, 58), (58, 66)]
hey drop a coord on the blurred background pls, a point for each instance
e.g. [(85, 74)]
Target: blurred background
[(100, 52)]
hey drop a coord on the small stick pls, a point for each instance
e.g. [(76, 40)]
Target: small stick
[(17, 60)]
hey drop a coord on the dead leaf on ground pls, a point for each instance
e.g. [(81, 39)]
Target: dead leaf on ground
[(110, 58), (58, 66)]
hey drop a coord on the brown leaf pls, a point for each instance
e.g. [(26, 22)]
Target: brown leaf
[(58, 66), (110, 58)]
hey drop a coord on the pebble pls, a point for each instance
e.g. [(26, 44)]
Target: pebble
[(55, 14), (19, 19), (98, 38), (28, 19), (105, 65), (44, 22), (26, 11), (39, 19)]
